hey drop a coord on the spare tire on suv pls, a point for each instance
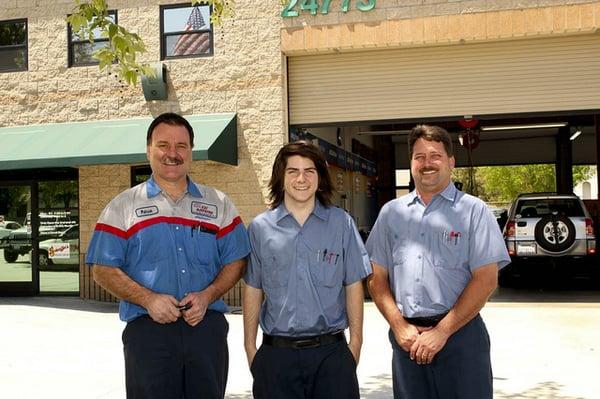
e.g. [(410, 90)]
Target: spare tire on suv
[(546, 229), (555, 233)]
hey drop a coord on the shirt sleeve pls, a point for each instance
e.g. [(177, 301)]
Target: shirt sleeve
[(232, 238), (108, 246), (487, 244), (356, 259), (253, 271), (378, 245)]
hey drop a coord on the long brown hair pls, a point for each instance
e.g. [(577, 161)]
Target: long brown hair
[(305, 149)]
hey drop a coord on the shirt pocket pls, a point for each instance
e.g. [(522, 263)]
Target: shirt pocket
[(204, 249), (275, 273), (399, 253), (328, 270), (450, 250)]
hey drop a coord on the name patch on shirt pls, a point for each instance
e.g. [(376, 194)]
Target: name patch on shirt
[(203, 209), (146, 211)]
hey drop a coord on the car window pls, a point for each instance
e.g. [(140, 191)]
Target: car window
[(542, 207)]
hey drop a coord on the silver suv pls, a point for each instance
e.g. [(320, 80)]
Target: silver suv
[(549, 225)]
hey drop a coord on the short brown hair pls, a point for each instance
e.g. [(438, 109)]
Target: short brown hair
[(430, 133), (305, 149), (172, 119)]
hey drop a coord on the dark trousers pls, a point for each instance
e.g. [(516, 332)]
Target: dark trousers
[(326, 372), (461, 370), (175, 360)]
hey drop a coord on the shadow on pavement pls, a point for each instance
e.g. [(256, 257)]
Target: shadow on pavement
[(377, 387), (62, 302), (548, 389)]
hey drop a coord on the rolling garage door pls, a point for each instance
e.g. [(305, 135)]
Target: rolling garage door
[(534, 75)]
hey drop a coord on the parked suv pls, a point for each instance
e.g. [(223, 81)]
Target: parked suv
[(546, 226)]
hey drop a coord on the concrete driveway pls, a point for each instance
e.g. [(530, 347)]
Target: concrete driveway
[(544, 345)]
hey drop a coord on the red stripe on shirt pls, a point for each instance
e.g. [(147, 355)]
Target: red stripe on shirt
[(163, 219), (229, 228), (170, 220), (111, 230)]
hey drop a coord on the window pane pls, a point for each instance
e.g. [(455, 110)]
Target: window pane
[(188, 44), (13, 59), (82, 52), (97, 35), (12, 33), (186, 18)]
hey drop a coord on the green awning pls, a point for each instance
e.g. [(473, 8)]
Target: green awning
[(107, 142)]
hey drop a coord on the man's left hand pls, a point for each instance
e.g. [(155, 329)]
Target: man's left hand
[(429, 342), (197, 303)]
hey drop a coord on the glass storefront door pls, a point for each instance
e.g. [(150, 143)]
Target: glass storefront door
[(58, 256), (39, 236), (17, 275)]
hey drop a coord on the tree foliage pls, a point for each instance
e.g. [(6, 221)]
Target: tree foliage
[(504, 183), (125, 47)]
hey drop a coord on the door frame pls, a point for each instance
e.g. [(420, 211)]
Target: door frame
[(31, 178), (32, 287)]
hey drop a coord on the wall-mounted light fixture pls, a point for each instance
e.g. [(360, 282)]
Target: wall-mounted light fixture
[(528, 126)]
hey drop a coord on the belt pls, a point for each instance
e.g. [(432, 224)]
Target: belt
[(302, 342), (427, 321)]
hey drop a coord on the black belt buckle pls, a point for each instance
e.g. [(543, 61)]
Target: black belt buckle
[(307, 343)]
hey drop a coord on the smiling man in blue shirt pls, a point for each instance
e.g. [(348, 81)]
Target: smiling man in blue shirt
[(304, 285), (436, 253), (169, 249)]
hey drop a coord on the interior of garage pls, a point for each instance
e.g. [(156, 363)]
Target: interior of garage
[(558, 138)]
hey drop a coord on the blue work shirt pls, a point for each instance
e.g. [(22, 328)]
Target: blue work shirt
[(431, 250), (168, 247), (303, 269)]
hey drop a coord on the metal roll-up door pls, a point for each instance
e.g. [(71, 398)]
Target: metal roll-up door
[(534, 75)]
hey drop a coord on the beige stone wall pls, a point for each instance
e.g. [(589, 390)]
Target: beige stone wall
[(244, 76), (434, 22)]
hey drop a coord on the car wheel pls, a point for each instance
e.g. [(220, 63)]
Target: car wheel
[(43, 260), (10, 256), (555, 233)]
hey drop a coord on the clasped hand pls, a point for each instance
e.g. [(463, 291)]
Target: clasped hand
[(165, 309), (422, 343)]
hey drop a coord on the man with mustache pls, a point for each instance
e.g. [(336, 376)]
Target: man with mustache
[(436, 253), (169, 248)]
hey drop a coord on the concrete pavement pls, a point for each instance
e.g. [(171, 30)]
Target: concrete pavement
[(65, 347)]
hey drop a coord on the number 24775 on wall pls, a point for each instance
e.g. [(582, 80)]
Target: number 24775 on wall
[(313, 6)]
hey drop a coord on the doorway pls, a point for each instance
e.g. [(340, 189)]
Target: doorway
[(39, 234)]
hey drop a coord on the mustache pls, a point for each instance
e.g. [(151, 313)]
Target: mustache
[(428, 169), (175, 160)]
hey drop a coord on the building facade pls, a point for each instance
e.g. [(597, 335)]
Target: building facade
[(353, 77)]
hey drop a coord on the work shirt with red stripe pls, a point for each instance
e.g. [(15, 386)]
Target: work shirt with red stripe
[(168, 247)]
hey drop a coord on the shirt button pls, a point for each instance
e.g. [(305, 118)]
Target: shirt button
[(176, 227), (418, 280), (183, 271), (419, 256), (179, 249), (422, 234)]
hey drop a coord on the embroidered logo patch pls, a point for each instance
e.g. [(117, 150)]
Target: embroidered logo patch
[(146, 211), (203, 209)]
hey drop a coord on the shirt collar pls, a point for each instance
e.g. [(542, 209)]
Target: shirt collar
[(153, 189), (319, 211), (449, 193)]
